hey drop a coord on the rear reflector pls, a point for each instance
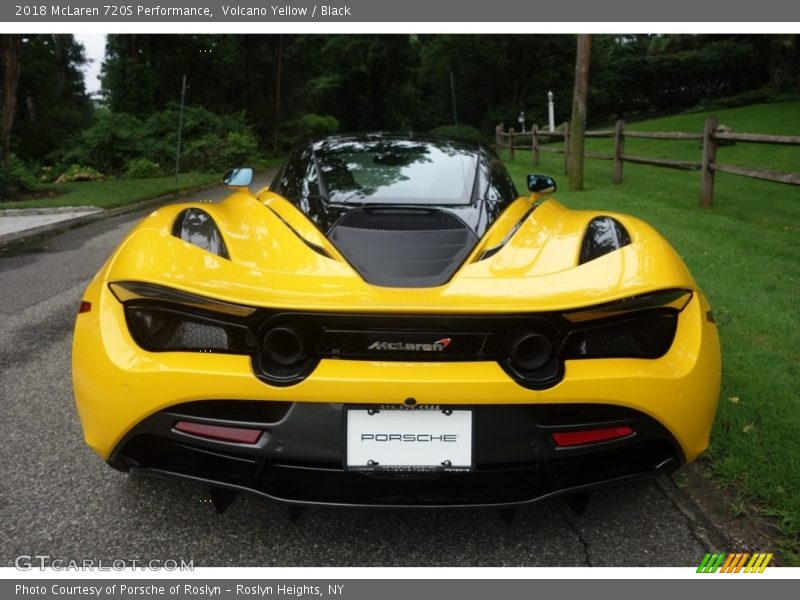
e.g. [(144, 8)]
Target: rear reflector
[(237, 435), (84, 307), (591, 436)]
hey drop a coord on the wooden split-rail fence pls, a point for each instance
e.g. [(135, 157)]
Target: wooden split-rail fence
[(710, 138)]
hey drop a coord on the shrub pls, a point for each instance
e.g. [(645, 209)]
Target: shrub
[(109, 144), (142, 168), (79, 173), (15, 179), (119, 143), (213, 153), (237, 149), (466, 133), (765, 94), (46, 174), (310, 126)]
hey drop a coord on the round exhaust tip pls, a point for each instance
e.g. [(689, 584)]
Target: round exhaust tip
[(284, 345), (529, 350)]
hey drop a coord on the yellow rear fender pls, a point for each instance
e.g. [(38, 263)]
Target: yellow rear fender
[(272, 265)]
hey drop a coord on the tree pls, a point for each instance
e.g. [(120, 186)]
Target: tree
[(402, 82), (641, 74), (226, 74), (577, 125), (52, 106), (9, 65), (365, 81), (496, 77)]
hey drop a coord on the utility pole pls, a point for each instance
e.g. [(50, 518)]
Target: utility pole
[(279, 68), (180, 128), (577, 126), (453, 94)]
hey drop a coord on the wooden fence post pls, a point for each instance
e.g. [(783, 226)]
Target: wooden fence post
[(498, 138), (511, 143), (619, 149), (709, 158), (566, 148), (534, 144)]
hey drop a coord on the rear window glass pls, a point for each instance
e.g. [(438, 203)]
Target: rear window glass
[(396, 171)]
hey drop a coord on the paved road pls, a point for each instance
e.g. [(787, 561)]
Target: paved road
[(58, 498)]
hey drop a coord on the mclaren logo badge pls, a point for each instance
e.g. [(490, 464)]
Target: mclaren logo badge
[(437, 346)]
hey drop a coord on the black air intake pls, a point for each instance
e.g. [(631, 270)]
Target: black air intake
[(401, 219), (403, 247)]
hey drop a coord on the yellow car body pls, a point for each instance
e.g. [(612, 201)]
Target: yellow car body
[(279, 261)]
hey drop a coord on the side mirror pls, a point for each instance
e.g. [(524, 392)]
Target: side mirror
[(238, 177), (541, 184)]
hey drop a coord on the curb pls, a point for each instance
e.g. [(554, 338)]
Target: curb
[(52, 228), (55, 210), (747, 531)]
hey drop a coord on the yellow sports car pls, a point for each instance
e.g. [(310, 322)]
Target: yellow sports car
[(391, 324)]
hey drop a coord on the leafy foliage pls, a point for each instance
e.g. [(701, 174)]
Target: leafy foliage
[(52, 105), (669, 72), (391, 82), (214, 153), (109, 144), (210, 142), (141, 168), (15, 179), (462, 132), (285, 88), (495, 78), (77, 173), (310, 126)]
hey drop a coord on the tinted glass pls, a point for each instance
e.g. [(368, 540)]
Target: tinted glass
[(297, 179), (357, 171), (499, 185)]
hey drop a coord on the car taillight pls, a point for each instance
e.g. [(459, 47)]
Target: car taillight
[(647, 335), (238, 435), (158, 329), (591, 436), (84, 307)]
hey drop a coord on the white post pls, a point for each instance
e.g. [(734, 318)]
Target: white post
[(550, 111), (521, 120)]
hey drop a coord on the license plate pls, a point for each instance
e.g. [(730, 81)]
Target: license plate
[(409, 440)]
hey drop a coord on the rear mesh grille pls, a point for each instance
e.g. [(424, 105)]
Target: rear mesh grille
[(647, 336), (158, 329), (402, 219)]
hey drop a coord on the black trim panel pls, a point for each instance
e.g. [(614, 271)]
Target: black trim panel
[(531, 348), (298, 459)]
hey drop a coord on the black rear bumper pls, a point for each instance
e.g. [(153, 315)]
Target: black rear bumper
[(299, 458)]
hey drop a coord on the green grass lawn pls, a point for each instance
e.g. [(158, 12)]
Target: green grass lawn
[(777, 119), (112, 192), (745, 254), (119, 192)]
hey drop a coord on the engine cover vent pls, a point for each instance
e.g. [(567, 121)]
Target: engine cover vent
[(402, 219), (403, 247)]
